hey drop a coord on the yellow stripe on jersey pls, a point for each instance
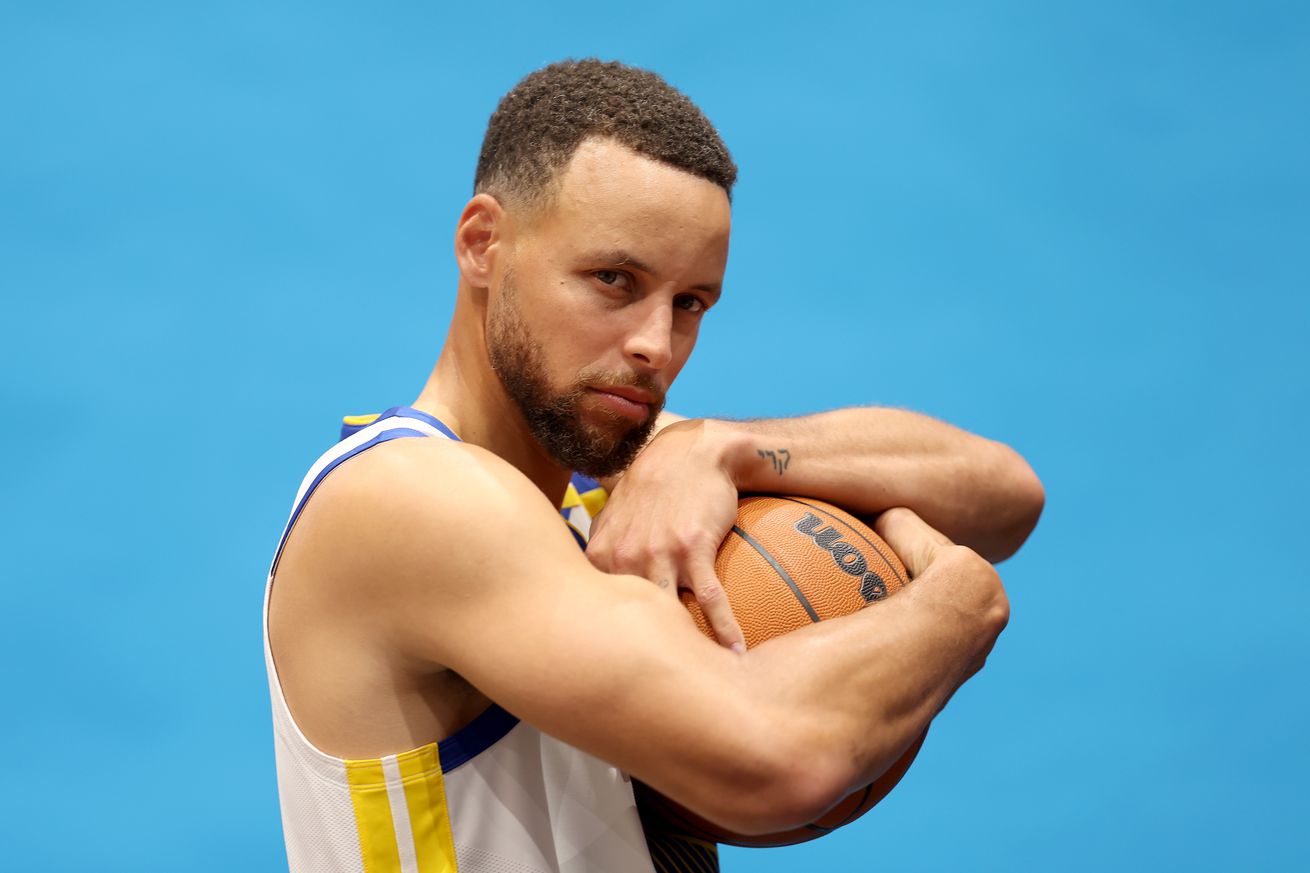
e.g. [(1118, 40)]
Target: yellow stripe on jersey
[(360, 420), (425, 796), (377, 830), (571, 498), (594, 500)]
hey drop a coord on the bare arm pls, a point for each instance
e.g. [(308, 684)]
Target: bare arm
[(500, 594), (978, 492), (672, 508)]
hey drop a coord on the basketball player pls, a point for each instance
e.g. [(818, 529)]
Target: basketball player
[(457, 685)]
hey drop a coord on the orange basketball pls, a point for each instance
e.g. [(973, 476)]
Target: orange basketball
[(789, 562)]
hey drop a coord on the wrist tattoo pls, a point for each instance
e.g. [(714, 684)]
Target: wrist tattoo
[(779, 458)]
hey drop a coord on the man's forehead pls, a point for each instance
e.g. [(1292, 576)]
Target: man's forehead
[(609, 197), (605, 172)]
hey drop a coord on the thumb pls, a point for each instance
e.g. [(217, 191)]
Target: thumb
[(911, 538)]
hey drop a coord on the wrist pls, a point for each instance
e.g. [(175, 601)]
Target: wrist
[(748, 459), (739, 455)]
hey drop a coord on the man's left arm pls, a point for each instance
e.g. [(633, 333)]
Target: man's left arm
[(671, 509), (978, 492)]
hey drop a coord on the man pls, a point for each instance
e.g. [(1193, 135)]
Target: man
[(456, 685)]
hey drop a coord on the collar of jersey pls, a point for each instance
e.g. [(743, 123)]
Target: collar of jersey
[(411, 412)]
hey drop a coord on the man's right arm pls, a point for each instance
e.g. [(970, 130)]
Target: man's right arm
[(492, 586)]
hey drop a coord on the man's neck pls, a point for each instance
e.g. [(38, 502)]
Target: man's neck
[(473, 403)]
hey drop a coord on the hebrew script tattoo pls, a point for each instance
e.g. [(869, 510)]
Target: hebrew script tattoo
[(780, 459)]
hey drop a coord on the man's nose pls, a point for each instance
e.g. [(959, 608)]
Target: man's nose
[(651, 341)]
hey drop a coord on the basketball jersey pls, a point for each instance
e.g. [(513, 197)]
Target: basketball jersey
[(497, 796)]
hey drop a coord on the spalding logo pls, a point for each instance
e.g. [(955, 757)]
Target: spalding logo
[(846, 556)]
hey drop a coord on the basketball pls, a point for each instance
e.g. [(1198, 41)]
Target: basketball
[(789, 562)]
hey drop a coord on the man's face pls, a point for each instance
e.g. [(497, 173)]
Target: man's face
[(600, 298)]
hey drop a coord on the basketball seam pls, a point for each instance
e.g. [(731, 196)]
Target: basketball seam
[(871, 545), (795, 589)]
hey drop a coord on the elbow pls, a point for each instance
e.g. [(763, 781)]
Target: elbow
[(789, 788), (1024, 500), (1029, 500), (793, 799)]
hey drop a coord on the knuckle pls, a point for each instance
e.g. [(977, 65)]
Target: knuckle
[(995, 602), (1002, 614), (709, 592), (1000, 610), (686, 544), (696, 539), (599, 556), (896, 515), (623, 555), (964, 558)]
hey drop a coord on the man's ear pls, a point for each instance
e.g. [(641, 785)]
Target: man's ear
[(482, 227)]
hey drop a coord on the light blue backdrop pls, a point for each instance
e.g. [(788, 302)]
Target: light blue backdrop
[(1078, 228)]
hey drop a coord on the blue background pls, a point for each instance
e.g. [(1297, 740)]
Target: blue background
[(1078, 228)]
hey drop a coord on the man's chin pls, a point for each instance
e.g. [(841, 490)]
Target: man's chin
[(605, 448), (609, 446)]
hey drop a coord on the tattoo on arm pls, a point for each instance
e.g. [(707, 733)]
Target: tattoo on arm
[(780, 459)]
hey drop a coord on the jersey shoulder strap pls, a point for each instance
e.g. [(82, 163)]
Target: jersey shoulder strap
[(398, 422)]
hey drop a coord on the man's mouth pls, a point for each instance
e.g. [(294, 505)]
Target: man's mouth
[(630, 402)]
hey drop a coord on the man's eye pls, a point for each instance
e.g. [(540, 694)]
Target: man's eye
[(690, 303), (609, 277)]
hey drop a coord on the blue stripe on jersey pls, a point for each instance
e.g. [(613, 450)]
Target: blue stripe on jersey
[(577, 536), (584, 483), (474, 738), (349, 430), (411, 412)]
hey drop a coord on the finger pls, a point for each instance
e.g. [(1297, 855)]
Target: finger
[(615, 552), (704, 583), (911, 538)]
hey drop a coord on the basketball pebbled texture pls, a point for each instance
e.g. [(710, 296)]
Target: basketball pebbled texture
[(789, 562)]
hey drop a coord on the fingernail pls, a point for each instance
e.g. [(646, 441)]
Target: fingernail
[(739, 648)]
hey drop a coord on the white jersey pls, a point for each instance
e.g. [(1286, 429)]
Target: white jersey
[(498, 796)]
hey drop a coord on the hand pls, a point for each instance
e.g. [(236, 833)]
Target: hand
[(951, 574), (667, 517)]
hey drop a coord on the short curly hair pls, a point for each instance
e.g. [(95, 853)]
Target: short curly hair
[(541, 122)]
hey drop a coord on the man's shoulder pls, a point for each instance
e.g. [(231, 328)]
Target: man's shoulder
[(431, 475), (409, 515), (402, 491)]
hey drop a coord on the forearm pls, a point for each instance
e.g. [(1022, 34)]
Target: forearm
[(901, 660), (772, 739), (978, 492)]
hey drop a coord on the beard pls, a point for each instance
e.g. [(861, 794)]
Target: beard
[(556, 418)]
